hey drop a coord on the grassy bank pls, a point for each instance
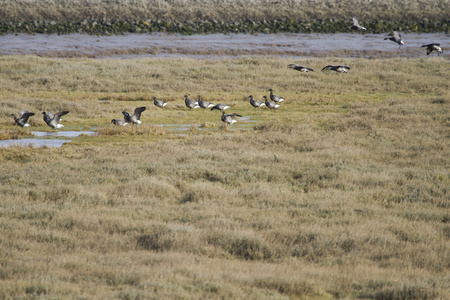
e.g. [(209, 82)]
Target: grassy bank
[(193, 17), (341, 193)]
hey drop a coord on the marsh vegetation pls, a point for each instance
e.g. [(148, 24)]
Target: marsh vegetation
[(193, 17), (341, 193)]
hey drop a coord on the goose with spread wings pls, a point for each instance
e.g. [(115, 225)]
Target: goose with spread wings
[(338, 68), (396, 38), (356, 25), (229, 118), (135, 117), (23, 117), (300, 68), (433, 47), (52, 120)]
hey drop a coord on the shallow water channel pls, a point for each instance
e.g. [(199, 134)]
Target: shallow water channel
[(159, 45)]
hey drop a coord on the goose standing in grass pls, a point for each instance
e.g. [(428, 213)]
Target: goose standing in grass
[(190, 103), (356, 25), (229, 118), (433, 47), (271, 105), (204, 104), (300, 68), (255, 103), (275, 98), (53, 120), (338, 68), (119, 122), (396, 38), (220, 107), (135, 117), (23, 118), (159, 103)]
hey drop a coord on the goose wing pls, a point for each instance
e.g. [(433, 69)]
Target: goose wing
[(295, 67), (138, 111), (355, 22), (59, 114), (397, 35), (233, 115), (24, 115), (126, 116), (329, 67)]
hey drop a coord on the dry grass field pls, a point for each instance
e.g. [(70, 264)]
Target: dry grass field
[(342, 193)]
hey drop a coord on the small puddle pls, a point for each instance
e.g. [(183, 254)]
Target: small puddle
[(69, 134), (33, 142), (42, 141)]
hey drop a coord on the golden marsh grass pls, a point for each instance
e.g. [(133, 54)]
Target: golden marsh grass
[(341, 193)]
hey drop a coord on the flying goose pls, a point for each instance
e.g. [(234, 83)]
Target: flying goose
[(299, 68), (220, 107), (190, 103), (397, 38), (23, 118), (229, 118), (53, 120), (433, 47), (356, 25), (275, 97), (269, 104), (338, 68), (119, 122), (255, 103), (159, 103), (204, 104), (135, 117)]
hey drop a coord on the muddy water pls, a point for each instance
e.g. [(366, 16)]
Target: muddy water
[(219, 45)]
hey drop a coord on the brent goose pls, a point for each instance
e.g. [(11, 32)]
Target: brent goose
[(433, 47), (269, 104), (135, 117), (23, 118), (275, 97), (119, 122), (204, 104), (397, 38), (338, 68), (229, 118), (255, 103), (220, 107), (159, 103), (356, 25), (190, 103), (53, 120), (299, 68)]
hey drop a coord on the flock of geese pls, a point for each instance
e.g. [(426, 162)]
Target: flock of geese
[(396, 38), (53, 120), (229, 118)]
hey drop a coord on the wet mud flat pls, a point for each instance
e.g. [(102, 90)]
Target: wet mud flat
[(160, 45)]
